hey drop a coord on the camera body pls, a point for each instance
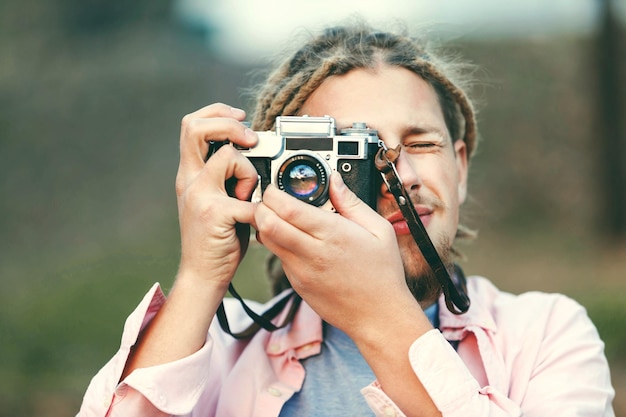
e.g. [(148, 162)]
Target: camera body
[(299, 156)]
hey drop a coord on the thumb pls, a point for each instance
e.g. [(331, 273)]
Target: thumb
[(349, 205)]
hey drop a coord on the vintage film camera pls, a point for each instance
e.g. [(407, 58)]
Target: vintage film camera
[(299, 156)]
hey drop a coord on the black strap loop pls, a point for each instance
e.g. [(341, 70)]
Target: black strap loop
[(259, 321)]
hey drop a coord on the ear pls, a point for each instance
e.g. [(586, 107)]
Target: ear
[(460, 153)]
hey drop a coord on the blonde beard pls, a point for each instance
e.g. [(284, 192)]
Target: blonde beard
[(419, 276)]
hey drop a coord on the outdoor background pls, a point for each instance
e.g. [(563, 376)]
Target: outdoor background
[(91, 97)]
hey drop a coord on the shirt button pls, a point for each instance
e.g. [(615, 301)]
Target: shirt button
[(274, 391), (390, 412)]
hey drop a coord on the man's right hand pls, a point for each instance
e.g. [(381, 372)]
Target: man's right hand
[(211, 247)]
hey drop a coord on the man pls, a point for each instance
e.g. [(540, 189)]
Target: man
[(372, 318)]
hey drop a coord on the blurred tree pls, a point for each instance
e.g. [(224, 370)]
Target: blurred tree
[(611, 133)]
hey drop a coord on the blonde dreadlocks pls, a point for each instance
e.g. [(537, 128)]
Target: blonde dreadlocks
[(338, 50)]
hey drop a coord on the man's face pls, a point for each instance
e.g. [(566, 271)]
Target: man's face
[(405, 110)]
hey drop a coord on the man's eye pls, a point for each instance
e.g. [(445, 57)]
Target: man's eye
[(420, 145)]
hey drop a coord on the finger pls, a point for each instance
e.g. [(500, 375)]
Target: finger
[(191, 124), (227, 163), (304, 216), (318, 222), (214, 122), (281, 237), (194, 147), (242, 213), (220, 214), (198, 132), (352, 207)]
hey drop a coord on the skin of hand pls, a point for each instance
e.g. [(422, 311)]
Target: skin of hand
[(212, 240), (211, 244), (346, 265)]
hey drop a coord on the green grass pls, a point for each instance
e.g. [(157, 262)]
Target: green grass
[(608, 314)]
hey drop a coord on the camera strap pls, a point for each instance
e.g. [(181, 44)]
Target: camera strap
[(259, 321), (454, 291), (452, 285)]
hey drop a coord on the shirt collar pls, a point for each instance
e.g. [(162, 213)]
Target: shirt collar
[(481, 297), (305, 331)]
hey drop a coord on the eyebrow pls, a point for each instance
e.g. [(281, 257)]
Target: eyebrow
[(423, 129)]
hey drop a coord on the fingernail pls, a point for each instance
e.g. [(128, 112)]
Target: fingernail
[(237, 112), (250, 135), (337, 180)]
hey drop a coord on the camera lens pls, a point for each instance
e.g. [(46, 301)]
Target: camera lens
[(304, 177)]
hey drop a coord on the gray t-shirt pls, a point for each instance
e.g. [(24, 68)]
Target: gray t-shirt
[(334, 378)]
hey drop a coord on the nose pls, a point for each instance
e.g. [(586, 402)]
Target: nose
[(408, 174)]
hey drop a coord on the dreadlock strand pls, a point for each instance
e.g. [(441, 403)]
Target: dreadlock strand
[(326, 69), (286, 95)]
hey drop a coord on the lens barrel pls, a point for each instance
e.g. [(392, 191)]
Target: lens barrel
[(304, 177)]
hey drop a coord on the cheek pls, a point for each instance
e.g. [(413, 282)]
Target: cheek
[(455, 182), (444, 178), (454, 185), (457, 195), (447, 188)]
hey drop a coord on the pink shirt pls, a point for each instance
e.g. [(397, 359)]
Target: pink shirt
[(533, 354)]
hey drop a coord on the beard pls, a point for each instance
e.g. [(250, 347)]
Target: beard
[(419, 276)]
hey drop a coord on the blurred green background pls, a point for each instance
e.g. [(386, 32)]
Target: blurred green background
[(92, 94)]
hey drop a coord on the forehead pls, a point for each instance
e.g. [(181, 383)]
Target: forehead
[(383, 97)]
